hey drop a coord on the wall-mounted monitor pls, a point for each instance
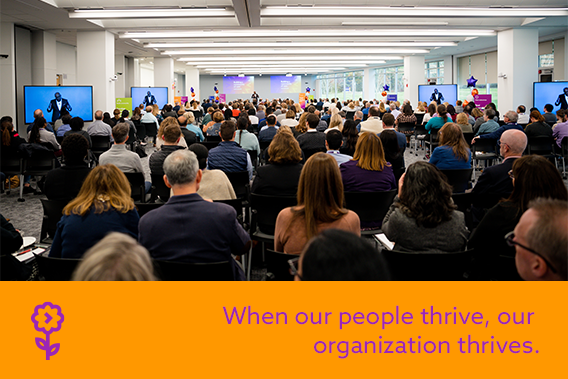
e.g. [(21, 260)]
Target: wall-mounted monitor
[(286, 84), (554, 93), (52, 100), (149, 96), (440, 93), (238, 85)]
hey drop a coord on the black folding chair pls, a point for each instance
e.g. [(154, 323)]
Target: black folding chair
[(420, 134), (241, 183), (52, 212), (484, 149), (159, 188), (371, 207), (253, 157), (458, 179), (11, 166), (210, 144), (423, 266), (464, 202), (277, 266), (183, 271), (144, 208), (100, 145), (431, 143), (541, 146), (309, 152), (137, 186), (56, 269)]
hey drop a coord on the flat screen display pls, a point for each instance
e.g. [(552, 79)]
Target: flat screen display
[(286, 84), (439, 93), (238, 85), (553, 93), (52, 100), (149, 96)]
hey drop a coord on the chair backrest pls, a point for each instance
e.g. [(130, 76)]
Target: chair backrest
[(59, 139), (213, 138), (253, 128), (370, 206), (398, 172), (253, 157), (458, 179), (56, 269), (210, 144), (264, 145), (420, 130), (159, 188), (40, 163), (540, 145), (237, 204), (100, 143), (240, 182), (468, 137), (487, 145), (137, 187), (277, 267), (266, 209), (309, 152), (214, 271), (464, 202), (423, 266), (12, 165), (144, 208), (349, 115), (419, 118), (52, 212), (406, 127)]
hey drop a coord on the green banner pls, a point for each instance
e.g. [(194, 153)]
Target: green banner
[(123, 103)]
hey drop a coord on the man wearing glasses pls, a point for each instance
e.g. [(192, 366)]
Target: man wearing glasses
[(541, 241)]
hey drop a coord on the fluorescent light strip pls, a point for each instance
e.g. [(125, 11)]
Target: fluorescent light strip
[(394, 23), (284, 33), (229, 72), (354, 11), (260, 58), (276, 45), (296, 51), (277, 65), (98, 14), (297, 69)]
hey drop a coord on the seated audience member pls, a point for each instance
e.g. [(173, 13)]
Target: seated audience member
[(522, 118), (459, 107), (38, 134), (495, 181), (213, 127), (453, 152), (64, 183), (533, 177), (333, 142), (11, 268), (168, 111), (451, 112), (171, 136), (350, 137), (160, 136), (126, 161), (149, 123), (244, 138), (117, 257), (189, 136), (394, 110), (268, 132), (358, 117), (65, 127), (214, 183), (103, 205), (541, 241), (320, 207), (76, 125), (462, 120), (388, 124), (99, 128), (311, 139), (431, 111), (281, 176), (510, 120), (260, 113), (325, 258), (11, 240), (373, 123), (188, 122), (405, 117), (393, 153), (208, 233), (290, 119), (436, 123), (335, 123), (423, 217), (228, 156), (490, 125), (538, 126), (11, 140), (478, 117), (368, 171), (549, 117), (561, 117), (262, 123), (115, 117), (108, 120), (252, 116), (560, 131), (39, 113)]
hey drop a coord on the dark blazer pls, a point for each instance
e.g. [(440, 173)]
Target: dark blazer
[(149, 100), (561, 101), (277, 179), (495, 181), (156, 160), (64, 183), (56, 115), (189, 136), (538, 129)]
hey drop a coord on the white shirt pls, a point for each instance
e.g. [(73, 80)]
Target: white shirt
[(59, 103)]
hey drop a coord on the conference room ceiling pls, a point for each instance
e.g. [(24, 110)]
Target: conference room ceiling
[(280, 36)]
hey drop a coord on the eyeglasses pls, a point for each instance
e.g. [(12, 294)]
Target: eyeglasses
[(293, 263), (509, 238), (510, 173)]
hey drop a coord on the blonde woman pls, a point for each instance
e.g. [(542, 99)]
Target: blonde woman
[(336, 122), (103, 205), (301, 127)]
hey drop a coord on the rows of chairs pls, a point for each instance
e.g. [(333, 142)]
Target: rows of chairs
[(39, 164)]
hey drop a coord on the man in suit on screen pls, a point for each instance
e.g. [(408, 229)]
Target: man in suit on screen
[(563, 99), (149, 99), (437, 96), (57, 105)]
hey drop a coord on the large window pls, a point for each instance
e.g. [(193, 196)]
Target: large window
[(392, 77), (482, 67), (434, 70), (342, 85)]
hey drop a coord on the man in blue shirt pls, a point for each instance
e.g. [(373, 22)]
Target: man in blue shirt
[(267, 133), (510, 119), (229, 156), (333, 142), (490, 125)]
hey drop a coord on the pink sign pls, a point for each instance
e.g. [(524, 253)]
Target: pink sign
[(184, 99), (481, 101), (222, 98)]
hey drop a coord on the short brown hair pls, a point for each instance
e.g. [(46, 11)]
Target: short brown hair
[(369, 152), (218, 116), (227, 130), (312, 120), (290, 114), (120, 132), (171, 133), (388, 119), (284, 149)]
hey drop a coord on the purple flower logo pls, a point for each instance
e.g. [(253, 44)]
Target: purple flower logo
[(47, 318)]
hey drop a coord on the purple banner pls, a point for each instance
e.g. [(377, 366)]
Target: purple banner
[(392, 97), (184, 99), (222, 98), (481, 101)]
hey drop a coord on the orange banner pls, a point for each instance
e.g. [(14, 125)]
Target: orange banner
[(297, 329)]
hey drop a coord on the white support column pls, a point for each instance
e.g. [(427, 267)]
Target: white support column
[(164, 75), (136, 73), (369, 83), (192, 80), (8, 71), (44, 58), (448, 70), (95, 66), (120, 85), (517, 58), (413, 75), (565, 56)]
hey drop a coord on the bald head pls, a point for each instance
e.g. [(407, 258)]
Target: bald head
[(516, 140), (149, 109), (98, 115), (38, 113)]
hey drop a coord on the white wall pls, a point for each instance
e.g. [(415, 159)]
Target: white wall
[(23, 73), (146, 76), (261, 86), (180, 85), (67, 63)]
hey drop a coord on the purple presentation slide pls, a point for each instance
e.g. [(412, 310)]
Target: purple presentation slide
[(238, 85), (286, 84)]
